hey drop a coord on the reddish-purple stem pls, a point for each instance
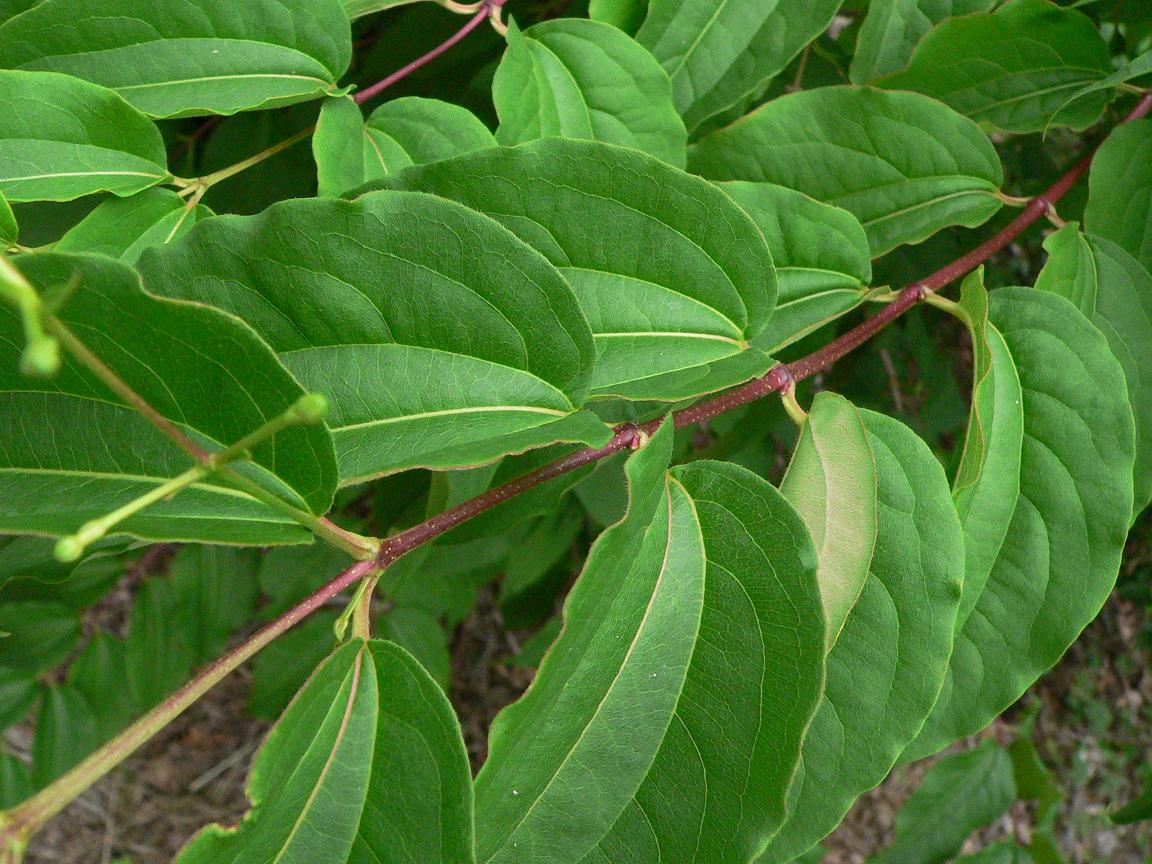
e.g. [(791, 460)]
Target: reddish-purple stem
[(382, 85)]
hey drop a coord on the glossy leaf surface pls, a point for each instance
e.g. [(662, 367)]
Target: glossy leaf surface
[(903, 164), (823, 265), (719, 51), (673, 277), (586, 80), (61, 138), (1017, 69), (447, 345), (178, 59)]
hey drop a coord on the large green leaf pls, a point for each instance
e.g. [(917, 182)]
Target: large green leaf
[(177, 58), (1120, 190), (1138, 68), (73, 451), (439, 338), (823, 266), (575, 78), (673, 277), (889, 663), (717, 52), (892, 28), (904, 164), (628, 15), (1014, 69), (957, 796), (124, 227), (1114, 292), (366, 765), (987, 480), (678, 691), (831, 481), (607, 690), (359, 8), (61, 138), (1060, 557)]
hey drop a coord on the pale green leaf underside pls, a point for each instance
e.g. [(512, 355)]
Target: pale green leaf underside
[(72, 451), (124, 227), (892, 28), (196, 57), (1017, 69), (584, 79), (1120, 190), (717, 52), (823, 265), (1060, 557), (61, 138), (440, 339), (831, 481), (904, 164), (672, 276), (889, 663), (366, 766)]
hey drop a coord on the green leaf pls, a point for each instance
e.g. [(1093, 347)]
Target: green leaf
[(1114, 292), (1139, 809), (706, 586), (823, 265), (719, 786), (415, 131), (360, 8), (1015, 69), (903, 164), (447, 345), (831, 481), (606, 693), (575, 78), (180, 59), (628, 15), (1120, 191), (958, 795), (366, 765), (36, 636), (203, 370), (419, 802), (1005, 852), (887, 667), (717, 52), (15, 784), (339, 164), (421, 635), (1060, 557), (892, 28), (1138, 68), (124, 228), (987, 482), (673, 277), (18, 691), (61, 138), (9, 230)]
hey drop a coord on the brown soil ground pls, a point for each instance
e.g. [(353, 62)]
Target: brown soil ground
[(1094, 713)]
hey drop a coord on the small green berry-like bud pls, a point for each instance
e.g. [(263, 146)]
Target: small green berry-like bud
[(311, 409), (69, 549), (41, 358)]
